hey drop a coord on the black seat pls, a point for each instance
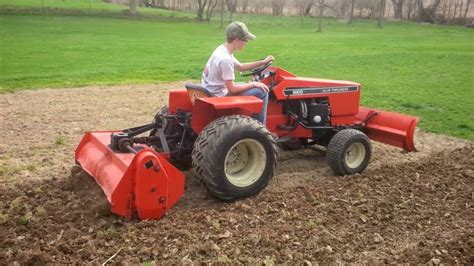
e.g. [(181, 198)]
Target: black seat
[(197, 87), (197, 91)]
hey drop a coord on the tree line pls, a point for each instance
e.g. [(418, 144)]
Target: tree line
[(432, 11)]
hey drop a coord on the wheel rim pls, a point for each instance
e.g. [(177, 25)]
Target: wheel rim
[(245, 162), (355, 155)]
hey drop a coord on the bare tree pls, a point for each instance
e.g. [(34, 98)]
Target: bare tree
[(259, 6), (381, 14), (200, 11), (410, 9), (222, 13), (456, 6), (321, 14), (277, 7), (159, 3), (304, 7), (342, 8), (352, 12), (210, 9), (231, 7), (427, 14), (308, 6), (449, 9), (132, 7), (369, 8), (467, 8), (444, 9), (398, 8), (245, 5)]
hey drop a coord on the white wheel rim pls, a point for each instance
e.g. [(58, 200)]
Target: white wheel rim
[(245, 162), (355, 155)]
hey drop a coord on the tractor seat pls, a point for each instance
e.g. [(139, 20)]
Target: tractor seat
[(197, 91)]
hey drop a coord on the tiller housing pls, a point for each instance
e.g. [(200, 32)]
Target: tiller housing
[(232, 153)]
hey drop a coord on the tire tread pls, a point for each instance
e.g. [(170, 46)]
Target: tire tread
[(204, 152)]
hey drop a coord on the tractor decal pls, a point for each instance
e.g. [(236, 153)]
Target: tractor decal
[(320, 90)]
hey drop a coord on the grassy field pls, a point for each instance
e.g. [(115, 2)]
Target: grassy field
[(425, 70), (93, 7)]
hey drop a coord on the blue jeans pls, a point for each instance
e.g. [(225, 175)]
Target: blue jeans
[(259, 93)]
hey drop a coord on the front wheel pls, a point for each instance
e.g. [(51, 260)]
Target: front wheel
[(349, 152), (235, 157)]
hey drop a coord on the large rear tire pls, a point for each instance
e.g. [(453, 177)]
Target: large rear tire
[(349, 152), (235, 157)]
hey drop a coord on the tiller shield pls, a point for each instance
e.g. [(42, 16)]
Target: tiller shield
[(388, 127), (140, 183)]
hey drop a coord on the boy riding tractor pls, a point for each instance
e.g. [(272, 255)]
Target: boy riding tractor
[(226, 147)]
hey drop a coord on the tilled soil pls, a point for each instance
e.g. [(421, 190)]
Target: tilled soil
[(406, 207)]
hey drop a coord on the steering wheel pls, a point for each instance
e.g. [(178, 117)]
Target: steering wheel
[(257, 70)]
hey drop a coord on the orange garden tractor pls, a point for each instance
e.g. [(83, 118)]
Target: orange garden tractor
[(233, 154)]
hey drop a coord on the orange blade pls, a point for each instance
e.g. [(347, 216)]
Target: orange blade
[(144, 183), (387, 127)]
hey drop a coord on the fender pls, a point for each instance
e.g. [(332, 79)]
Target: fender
[(206, 110)]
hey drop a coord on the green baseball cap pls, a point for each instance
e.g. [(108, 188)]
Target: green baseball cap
[(238, 29)]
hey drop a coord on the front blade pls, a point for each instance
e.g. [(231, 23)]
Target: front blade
[(388, 127)]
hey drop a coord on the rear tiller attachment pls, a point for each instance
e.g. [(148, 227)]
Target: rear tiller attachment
[(137, 180)]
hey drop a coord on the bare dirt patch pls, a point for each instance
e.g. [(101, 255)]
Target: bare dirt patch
[(406, 207)]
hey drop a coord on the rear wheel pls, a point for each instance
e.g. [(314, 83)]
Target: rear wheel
[(349, 152), (235, 157)]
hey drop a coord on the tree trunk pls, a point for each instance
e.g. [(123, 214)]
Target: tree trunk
[(381, 14), (352, 12), (343, 8), (160, 3), (445, 9), (409, 9), (245, 5), (427, 14), (456, 5), (132, 7), (321, 14), (222, 14), (200, 11), (210, 9), (467, 7), (398, 8), (231, 7), (307, 9), (277, 7)]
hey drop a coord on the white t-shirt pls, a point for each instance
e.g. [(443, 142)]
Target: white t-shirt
[(219, 68)]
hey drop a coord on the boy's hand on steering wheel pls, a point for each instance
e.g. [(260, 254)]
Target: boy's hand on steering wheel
[(268, 59)]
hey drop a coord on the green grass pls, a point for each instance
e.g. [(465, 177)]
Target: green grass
[(424, 70), (93, 7)]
